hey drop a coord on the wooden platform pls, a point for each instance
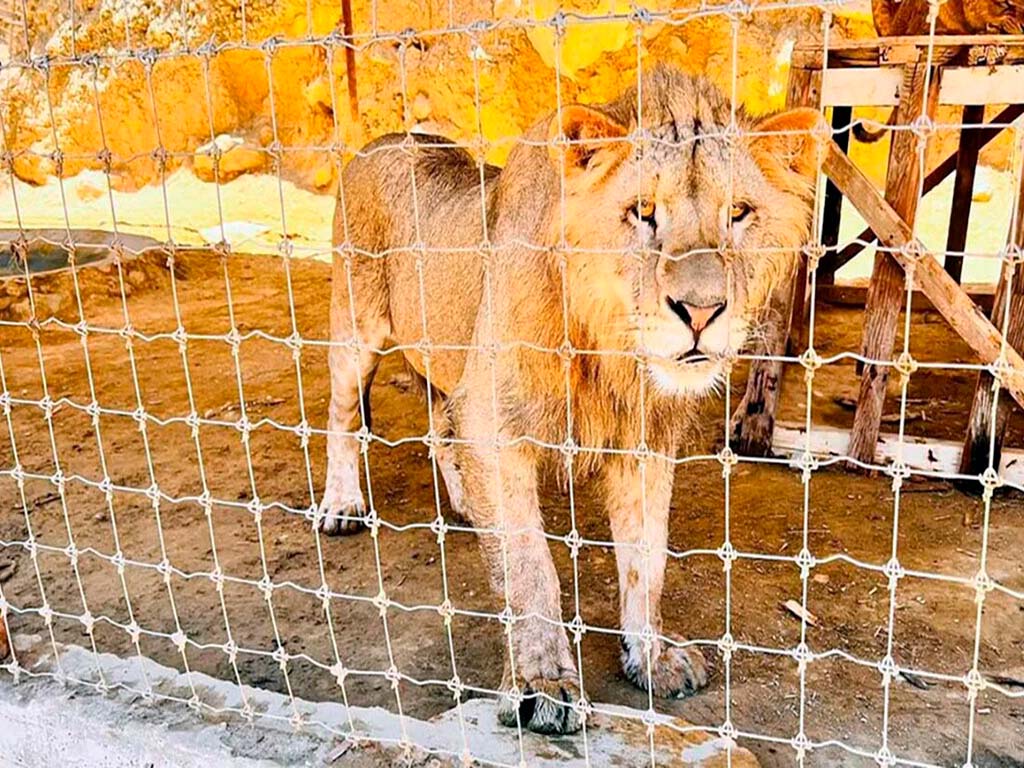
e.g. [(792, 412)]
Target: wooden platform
[(914, 75)]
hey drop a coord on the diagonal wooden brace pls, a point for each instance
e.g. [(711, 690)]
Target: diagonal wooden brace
[(962, 314)]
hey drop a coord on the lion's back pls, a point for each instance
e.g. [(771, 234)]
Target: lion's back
[(417, 196)]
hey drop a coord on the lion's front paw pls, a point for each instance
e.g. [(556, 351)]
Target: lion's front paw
[(546, 706), (675, 672), (341, 518)]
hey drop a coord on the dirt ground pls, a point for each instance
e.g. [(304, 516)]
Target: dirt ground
[(933, 621)]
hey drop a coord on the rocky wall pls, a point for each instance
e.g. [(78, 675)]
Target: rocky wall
[(205, 77)]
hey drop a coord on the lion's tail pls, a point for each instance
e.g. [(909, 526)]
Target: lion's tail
[(868, 136)]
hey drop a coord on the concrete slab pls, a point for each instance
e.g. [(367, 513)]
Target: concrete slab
[(133, 712)]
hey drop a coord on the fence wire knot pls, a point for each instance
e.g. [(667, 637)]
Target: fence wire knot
[(801, 745), (975, 684)]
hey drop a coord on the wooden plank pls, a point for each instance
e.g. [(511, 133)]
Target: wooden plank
[(754, 418), (919, 453), (885, 293), (856, 294), (871, 52), (963, 188), (961, 86), (982, 430), (1002, 84), (875, 87), (962, 314), (935, 177)]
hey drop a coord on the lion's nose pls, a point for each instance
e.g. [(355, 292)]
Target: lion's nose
[(698, 318)]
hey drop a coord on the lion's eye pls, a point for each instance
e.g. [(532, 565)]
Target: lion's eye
[(740, 211), (643, 211)]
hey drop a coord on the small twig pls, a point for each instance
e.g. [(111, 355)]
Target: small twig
[(1013, 681), (793, 607), (915, 680)]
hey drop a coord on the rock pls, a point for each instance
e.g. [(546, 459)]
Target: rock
[(86, 192), (33, 169), (323, 176), (421, 107), (137, 278), (20, 310), (237, 157), (318, 94), (48, 304), (982, 191)]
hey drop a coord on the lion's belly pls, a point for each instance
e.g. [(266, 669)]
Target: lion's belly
[(447, 304)]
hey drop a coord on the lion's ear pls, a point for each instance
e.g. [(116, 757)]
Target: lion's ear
[(587, 132), (794, 140)]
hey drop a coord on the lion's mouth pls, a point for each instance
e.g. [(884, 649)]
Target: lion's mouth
[(692, 357)]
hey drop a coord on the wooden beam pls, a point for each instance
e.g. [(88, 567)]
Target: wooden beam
[(922, 454), (831, 217), (350, 60), (963, 188), (875, 87), (885, 293), (1002, 84), (870, 52), (856, 294), (982, 430), (754, 418), (962, 314), (961, 86), (834, 261)]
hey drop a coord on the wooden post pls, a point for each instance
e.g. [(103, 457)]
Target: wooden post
[(885, 293), (952, 302), (832, 262), (981, 429), (753, 421), (963, 186), (350, 60), (831, 217)]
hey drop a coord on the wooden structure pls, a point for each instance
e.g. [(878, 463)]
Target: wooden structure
[(914, 75)]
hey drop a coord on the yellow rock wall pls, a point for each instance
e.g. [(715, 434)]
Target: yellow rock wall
[(488, 81)]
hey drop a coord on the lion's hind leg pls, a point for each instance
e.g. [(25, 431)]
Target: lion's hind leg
[(359, 329)]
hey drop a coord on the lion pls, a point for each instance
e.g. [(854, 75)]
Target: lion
[(571, 308)]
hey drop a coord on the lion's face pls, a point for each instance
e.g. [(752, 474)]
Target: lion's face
[(676, 241)]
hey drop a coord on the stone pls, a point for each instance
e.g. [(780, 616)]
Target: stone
[(318, 94), (33, 169), (48, 304), (137, 278), (421, 107), (323, 176), (86, 192), (237, 157)]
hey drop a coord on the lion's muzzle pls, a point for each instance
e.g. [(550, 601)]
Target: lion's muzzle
[(695, 291)]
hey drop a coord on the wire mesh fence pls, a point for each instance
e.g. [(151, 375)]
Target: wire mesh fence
[(616, 235)]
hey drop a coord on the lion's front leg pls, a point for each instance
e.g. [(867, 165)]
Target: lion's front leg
[(638, 506), (501, 501)]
